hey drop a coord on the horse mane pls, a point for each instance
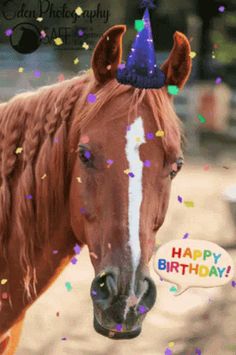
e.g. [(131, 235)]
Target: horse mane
[(41, 123), (38, 123)]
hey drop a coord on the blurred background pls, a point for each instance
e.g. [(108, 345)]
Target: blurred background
[(201, 321)]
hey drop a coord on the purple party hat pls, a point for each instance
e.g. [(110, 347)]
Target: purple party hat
[(141, 70)]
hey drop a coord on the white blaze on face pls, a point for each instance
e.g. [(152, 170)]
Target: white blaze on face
[(135, 137)]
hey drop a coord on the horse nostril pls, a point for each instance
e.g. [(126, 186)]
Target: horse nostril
[(149, 296), (104, 288)]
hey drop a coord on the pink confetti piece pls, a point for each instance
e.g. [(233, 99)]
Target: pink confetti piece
[(4, 295), (61, 77), (93, 255), (55, 140), (206, 167), (55, 251), (84, 139), (91, 98)]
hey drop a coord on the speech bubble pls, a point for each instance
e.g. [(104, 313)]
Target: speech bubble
[(193, 263)]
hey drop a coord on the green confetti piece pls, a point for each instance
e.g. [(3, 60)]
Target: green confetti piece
[(201, 119), (68, 286), (173, 289), (139, 25), (173, 89)]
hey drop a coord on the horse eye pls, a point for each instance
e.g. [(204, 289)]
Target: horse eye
[(179, 163), (85, 156)]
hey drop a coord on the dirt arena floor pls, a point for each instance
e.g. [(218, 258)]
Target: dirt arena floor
[(200, 321)]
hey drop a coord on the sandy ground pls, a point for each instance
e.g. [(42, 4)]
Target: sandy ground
[(198, 319)]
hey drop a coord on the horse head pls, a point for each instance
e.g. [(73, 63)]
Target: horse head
[(127, 150)]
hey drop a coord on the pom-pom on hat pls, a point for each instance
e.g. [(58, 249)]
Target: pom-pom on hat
[(141, 70)]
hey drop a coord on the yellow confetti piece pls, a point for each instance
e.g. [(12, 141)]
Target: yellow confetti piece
[(160, 134), (79, 180), (189, 203), (85, 46), (127, 171), (19, 150), (171, 344), (78, 11), (39, 19), (58, 41), (3, 281), (43, 177), (76, 60), (20, 70), (192, 54), (138, 139)]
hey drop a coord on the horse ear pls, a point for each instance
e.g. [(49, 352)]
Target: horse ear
[(108, 53), (177, 67)]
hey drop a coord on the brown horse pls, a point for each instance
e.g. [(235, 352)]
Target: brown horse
[(81, 165)]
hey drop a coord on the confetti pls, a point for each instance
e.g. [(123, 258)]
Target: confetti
[(173, 89), (206, 167), (138, 139), (160, 133), (55, 251), (171, 344), (180, 199), (77, 249), (39, 19), (94, 293), (94, 255), (221, 9), (85, 46), (79, 180), (131, 175), (109, 245), (91, 98), (61, 77), (80, 33), (186, 236), (87, 154), (127, 171), (9, 32), (139, 25), (68, 286), (44, 176), (4, 295), (78, 11), (29, 197), (43, 34), (82, 210), (189, 203), (76, 61), (119, 327), (198, 351), (233, 283), (173, 289), (201, 118), (3, 281), (121, 66), (142, 309), (192, 54), (218, 80), (58, 41), (84, 139), (132, 301), (150, 136), (168, 351), (19, 150), (74, 261), (21, 70), (147, 163), (110, 161), (109, 67), (37, 73)]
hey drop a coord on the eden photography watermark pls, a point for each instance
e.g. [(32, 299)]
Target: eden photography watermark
[(26, 37)]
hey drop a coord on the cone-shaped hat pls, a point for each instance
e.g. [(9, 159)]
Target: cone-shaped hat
[(141, 70)]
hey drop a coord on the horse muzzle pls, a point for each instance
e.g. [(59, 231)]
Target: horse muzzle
[(116, 315)]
